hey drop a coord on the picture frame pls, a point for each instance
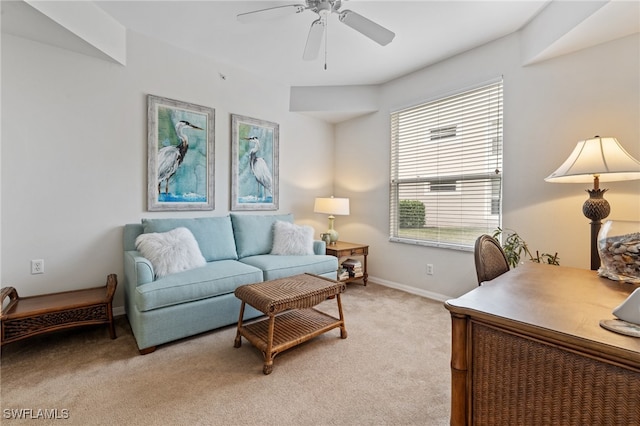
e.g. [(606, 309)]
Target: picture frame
[(254, 164), (181, 155)]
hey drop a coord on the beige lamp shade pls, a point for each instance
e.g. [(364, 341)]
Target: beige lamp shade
[(603, 157), (332, 206)]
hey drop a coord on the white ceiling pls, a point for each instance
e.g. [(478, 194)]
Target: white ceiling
[(426, 31)]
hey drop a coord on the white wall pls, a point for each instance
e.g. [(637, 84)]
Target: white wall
[(74, 152), (548, 107)]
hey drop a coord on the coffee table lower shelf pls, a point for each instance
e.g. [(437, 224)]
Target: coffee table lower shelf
[(287, 330)]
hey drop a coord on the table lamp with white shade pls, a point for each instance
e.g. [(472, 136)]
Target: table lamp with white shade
[(598, 160), (332, 206)]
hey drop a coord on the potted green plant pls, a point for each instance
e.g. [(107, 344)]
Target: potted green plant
[(514, 247)]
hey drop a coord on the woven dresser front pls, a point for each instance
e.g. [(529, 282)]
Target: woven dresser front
[(520, 381)]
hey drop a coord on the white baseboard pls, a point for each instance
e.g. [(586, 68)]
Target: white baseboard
[(428, 294)]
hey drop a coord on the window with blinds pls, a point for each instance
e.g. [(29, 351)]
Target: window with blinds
[(446, 169)]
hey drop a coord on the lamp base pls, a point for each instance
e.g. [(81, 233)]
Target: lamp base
[(333, 234), (595, 208)]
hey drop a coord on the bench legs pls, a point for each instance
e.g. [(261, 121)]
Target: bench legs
[(112, 329)]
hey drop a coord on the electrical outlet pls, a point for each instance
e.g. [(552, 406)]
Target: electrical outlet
[(429, 269), (37, 266)]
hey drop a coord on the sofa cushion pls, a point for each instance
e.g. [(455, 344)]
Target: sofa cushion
[(170, 252), (254, 233), (292, 239), (214, 279), (214, 234), (129, 235), (275, 267)]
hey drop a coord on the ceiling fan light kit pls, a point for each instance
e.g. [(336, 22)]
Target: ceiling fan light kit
[(323, 8)]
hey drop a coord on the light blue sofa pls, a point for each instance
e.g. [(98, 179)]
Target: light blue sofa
[(236, 248)]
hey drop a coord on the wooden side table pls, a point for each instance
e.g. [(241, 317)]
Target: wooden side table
[(344, 249), (29, 316)]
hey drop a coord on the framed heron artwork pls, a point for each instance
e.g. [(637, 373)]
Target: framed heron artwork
[(254, 164), (180, 155)]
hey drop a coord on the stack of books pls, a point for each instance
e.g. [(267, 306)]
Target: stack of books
[(353, 267), (343, 274)]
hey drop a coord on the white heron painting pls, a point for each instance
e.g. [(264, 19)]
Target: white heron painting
[(180, 156), (255, 164)]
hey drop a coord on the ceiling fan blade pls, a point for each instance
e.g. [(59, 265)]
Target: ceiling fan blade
[(314, 39), (367, 27), (271, 13)]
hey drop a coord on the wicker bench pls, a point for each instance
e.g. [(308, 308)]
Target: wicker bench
[(29, 316), (288, 303)]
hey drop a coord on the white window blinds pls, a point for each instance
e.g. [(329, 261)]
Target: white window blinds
[(446, 169)]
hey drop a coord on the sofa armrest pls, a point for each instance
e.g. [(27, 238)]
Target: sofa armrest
[(319, 247), (137, 269)]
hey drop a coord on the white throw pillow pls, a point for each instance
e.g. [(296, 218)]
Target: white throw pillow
[(170, 252), (291, 239)]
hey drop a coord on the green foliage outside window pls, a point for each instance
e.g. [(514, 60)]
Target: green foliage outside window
[(412, 214)]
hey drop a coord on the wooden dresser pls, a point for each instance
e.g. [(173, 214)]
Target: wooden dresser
[(527, 349)]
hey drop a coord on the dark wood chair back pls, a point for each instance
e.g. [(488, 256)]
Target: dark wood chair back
[(490, 259)]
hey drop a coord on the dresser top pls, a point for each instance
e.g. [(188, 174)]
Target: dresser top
[(561, 303)]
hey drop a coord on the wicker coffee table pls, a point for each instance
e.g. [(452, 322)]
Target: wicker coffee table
[(288, 304)]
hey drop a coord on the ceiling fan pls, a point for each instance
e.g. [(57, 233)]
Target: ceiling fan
[(323, 8)]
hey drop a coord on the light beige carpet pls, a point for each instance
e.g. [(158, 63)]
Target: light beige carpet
[(393, 369)]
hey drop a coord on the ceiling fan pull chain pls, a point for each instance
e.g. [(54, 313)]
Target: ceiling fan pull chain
[(326, 30)]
